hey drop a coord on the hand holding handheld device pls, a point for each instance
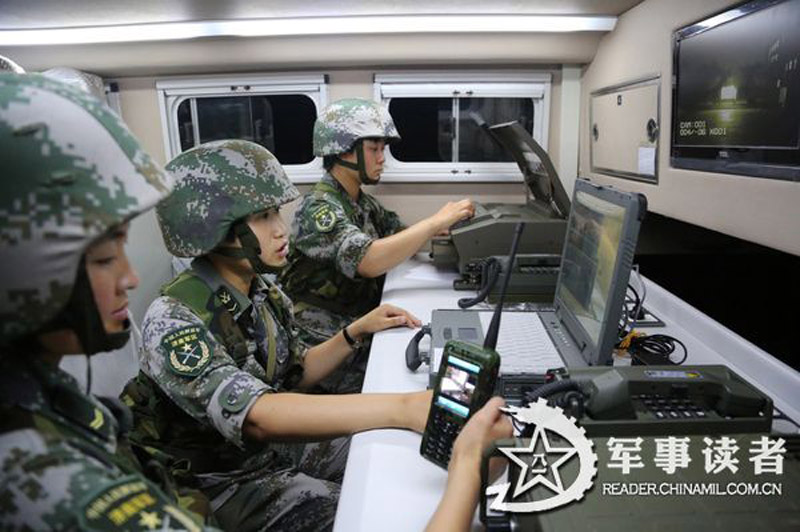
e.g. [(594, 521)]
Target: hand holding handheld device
[(466, 380)]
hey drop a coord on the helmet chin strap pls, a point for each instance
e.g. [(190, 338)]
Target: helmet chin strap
[(250, 250), (82, 316), (360, 165)]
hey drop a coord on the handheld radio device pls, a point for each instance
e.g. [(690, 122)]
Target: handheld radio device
[(465, 381)]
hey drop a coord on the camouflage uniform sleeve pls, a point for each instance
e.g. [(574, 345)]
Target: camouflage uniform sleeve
[(389, 220), (194, 370), (54, 485), (324, 233)]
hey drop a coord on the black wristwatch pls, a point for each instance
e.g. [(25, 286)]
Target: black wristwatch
[(352, 342)]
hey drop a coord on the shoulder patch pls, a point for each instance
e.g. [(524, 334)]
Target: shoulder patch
[(188, 352), (228, 300), (131, 503), (324, 219)]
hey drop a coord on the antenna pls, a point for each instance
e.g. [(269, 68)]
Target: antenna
[(494, 327)]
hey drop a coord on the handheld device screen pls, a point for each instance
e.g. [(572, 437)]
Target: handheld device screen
[(458, 385)]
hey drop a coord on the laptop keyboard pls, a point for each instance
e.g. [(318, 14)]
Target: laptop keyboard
[(523, 343)]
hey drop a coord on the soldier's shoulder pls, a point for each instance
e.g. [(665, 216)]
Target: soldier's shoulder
[(33, 481), (321, 215), (21, 444), (166, 309), (317, 199), (165, 316), (371, 201), (52, 484)]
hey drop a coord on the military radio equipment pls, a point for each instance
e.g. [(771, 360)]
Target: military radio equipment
[(645, 404), (687, 498), (533, 279), (489, 232), (658, 400), (466, 380)]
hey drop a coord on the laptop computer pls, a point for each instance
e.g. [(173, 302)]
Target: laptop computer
[(582, 327)]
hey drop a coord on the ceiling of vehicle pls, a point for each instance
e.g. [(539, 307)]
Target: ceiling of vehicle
[(27, 14), (219, 53)]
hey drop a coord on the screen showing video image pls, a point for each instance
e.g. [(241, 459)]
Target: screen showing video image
[(590, 257), (458, 385), (739, 82)]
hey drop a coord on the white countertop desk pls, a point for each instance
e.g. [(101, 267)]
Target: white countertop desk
[(389, 487)]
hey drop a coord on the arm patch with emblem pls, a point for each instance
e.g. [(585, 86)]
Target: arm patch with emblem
[(187, 350), (324, 219), (132, 504)]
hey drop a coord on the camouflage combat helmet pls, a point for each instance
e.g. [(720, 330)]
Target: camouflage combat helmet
[(218, 185), (344, 123), (90, 83), (71, 171)]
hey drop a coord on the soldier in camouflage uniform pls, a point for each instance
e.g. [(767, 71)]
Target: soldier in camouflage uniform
[(73, 176), (343, 240), (221, 357)]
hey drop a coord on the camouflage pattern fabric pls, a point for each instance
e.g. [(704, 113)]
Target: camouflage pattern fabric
[(218, 183), (302, 495), (71, 171), (331, 233), (344, 122), (62, 463), (91, 83), (273, 486)]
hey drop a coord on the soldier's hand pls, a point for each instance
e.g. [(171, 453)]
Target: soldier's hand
[(452, 212), (488, 424), (384, 317)]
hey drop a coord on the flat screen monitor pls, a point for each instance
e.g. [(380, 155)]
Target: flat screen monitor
[(736, 91), (601, 238)]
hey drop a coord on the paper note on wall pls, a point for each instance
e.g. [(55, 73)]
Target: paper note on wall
[(647, 160)]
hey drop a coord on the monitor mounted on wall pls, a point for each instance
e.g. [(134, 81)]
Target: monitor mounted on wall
[(736, 92)]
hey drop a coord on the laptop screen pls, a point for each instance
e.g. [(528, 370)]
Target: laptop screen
[(595, 266)]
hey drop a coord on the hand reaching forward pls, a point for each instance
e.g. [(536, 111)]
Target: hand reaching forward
[(383, 317)]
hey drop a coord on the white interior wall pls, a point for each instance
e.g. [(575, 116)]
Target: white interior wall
[(764, 211), (413, 202)]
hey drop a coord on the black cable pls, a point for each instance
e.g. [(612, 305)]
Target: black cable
[(490, 272), (643, 348), (646, 350), (568, 386), (546, 390), (626, 313)]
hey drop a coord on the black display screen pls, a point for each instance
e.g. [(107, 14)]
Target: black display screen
[(736, 92), (739, 82)]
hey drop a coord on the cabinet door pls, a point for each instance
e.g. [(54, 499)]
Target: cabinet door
[(624, 130)]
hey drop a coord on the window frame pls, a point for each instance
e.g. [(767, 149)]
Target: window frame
[(174, 91), (464, 84)]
